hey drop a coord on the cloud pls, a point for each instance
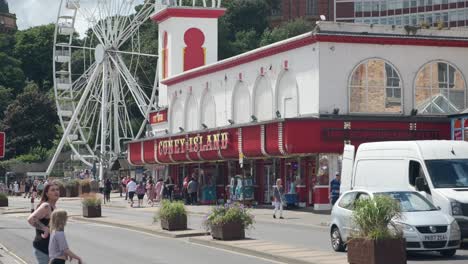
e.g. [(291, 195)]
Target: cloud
[(32, 13)]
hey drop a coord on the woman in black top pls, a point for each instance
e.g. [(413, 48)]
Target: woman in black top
[(40, 220), (107, 190)]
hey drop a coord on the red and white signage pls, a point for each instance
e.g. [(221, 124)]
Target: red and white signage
[(2, 145), (158, 117)]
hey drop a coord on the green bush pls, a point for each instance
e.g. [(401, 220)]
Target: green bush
[(91, 199), (3, 196), (170, 210), (72, 184), (229, 213), (373, 218)]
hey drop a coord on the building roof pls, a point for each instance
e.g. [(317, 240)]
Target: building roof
[(338, 33)]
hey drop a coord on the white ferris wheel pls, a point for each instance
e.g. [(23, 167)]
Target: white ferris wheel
[(105, 84)]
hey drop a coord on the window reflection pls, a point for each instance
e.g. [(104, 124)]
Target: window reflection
[(375, 87), (440, 89)]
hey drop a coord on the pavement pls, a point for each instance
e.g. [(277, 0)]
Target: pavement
[(271, 250), (8, 257)]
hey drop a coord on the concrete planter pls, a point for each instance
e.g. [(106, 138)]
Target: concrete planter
[(387, 251), (71, 191), (92, 211), (84, 189), (177, 223), (4, 202), (228, 231)]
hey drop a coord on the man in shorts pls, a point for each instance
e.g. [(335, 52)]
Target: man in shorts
[(131, 189)]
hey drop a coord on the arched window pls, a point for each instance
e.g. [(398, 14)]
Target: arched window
[(241, 111), (208, 111), (287, 103), (263, 105), (440, 89), (375, 87), (191, 114), (177, 116)]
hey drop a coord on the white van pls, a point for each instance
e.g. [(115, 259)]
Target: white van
[(438, 169)]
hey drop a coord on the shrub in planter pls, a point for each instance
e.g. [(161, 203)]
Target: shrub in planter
[(91, 205), (376, 242), (61, 185), (71, 188), (3, 200), (229, 222), (172, 215), (85, 187)]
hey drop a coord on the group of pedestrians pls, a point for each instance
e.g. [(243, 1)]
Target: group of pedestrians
[(155, 191), (190, 189), (50, 244)]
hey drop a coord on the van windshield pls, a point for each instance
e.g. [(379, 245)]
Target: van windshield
[(450, 173), (410, 201)]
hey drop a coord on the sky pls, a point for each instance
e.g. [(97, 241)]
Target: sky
[(30, 13)]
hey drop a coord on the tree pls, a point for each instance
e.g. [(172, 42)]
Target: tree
[(242, 16), (30, 122), (6, 97), (34, 47), (11, 74), (286, 30)]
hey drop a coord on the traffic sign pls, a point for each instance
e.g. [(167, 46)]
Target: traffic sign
[(2, 145)]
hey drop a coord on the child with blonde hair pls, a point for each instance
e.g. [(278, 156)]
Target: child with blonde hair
[(58, 246)]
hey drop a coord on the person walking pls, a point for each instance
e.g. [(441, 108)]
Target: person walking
[(101, 187), (27, 188), (158, 188), (107, 190), (335, 188), (278, 195), (131, 189), (40, 219), (59, 251), (193, 191), (40, 187), (150, 192), (185, 189), (15, 188), (126, 181), (140, 191)]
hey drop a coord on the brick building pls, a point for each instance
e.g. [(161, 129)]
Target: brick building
[(442, 13), (7, 20), (308, 9)]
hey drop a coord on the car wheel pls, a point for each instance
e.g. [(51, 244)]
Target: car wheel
[(448, 252), (336, 241)]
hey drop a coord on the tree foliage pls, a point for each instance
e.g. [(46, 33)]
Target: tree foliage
[(34, 47), (11, 74), (29, 122), (285, 31), (6, 97)]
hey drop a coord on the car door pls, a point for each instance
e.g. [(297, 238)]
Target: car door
[(343, 213)]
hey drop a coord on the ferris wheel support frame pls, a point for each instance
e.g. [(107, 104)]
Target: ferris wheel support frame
[(72, 121)]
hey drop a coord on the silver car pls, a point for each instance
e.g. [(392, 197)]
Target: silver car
[(424, 226)]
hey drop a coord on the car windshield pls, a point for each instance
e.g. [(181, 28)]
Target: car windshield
[(452, 173), (411, 201)]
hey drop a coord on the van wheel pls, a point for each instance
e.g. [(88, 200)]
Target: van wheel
[(448, 252), (336, 241)]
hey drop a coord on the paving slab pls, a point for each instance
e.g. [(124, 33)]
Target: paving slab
[(152, 229), (274, 251), (8, 257)]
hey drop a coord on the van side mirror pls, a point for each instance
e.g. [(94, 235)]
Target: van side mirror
[(421, 185)]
